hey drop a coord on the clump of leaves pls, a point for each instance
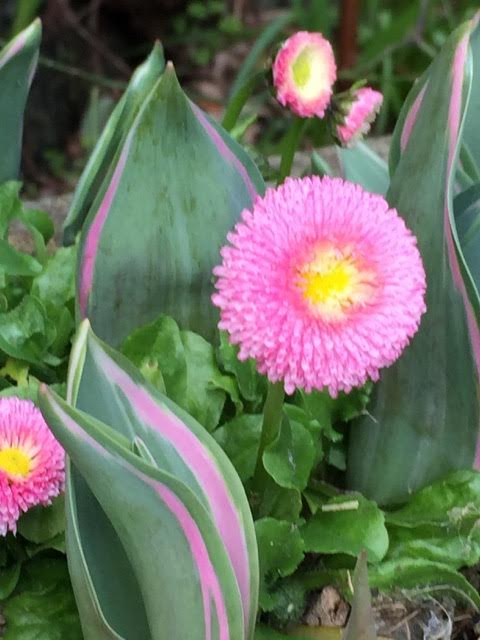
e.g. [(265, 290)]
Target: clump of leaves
[(37, 304)]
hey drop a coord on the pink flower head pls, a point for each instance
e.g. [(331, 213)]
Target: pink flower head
[(322, 284), (304, 72), (32, 463), (362, 112)]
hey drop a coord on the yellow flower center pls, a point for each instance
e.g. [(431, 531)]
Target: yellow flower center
[(334, 281), (15, 462), (302, 68), (310, 72)]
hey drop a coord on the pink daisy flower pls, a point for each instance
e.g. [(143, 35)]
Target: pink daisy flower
[(32, 463), (322, 285), (361, 113), (304, 72)]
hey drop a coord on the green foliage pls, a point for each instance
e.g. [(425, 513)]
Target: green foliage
[(43, 524), (423, 576), (240, 438), (287, 603), (205, 28), (289, 459), (42, 606), (182, 365), (347, 524), (281, 550), (251, 384), (439, 523), (36, 299)]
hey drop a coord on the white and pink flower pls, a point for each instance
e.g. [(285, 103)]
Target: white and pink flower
[(304, 72), (362, 111)]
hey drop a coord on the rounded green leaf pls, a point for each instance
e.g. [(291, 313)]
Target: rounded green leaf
[(347, 524)]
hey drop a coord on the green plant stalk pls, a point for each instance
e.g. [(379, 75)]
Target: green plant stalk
[(238, 101), (265, 40), (289, 147), (272, 418), (26, 11)]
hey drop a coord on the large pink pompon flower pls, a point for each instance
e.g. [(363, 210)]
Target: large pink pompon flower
[(362, 112), (322, 284), (32, 463), (304, 72)]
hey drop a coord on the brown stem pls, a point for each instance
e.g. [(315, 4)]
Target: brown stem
[(350, 13)]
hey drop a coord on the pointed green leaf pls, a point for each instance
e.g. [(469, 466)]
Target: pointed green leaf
[(178, 186), (18, 61), (364, 167), (169, 538), (424, 416), (107, 386), (99, 166), (361, 623)]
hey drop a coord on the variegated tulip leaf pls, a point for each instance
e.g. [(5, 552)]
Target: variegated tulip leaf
[(423, 419), (406, 121), (178, 186), (108, 387), (185, 577), (364, 167), (18, 61), (106, 590), (471, 133), (467, 217), (97, 173)]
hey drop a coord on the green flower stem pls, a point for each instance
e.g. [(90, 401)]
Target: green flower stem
[(289, 146), (272, 418), (236, 104)]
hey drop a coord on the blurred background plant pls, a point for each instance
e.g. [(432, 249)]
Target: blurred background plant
[(90, 48)]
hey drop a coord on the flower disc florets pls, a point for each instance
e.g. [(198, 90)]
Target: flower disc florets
[(322, 284), (304, 72), (32, 463)]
